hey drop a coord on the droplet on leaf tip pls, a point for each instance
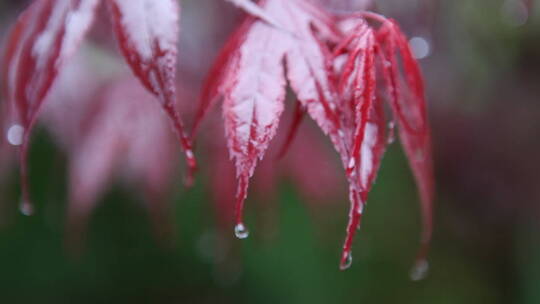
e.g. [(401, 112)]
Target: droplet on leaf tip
[(420, 270), (347, 261), (26, 208), (189, 154), (360, 211), (241, 231), (515, 12), (15, 135)]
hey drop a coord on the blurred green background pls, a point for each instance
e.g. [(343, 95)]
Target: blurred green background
[(483, 77)]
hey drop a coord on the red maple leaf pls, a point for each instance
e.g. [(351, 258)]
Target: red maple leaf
[(334, 64), (331, 63), (49, 32)]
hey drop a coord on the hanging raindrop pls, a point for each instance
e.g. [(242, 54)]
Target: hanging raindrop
[(347, 263), (420, 47), (241, 231), (360, 210), (15, 135), (515, 12), (420, 270), (26, 208)]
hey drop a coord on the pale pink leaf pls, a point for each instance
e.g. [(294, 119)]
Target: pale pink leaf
[(44, 37), (147, 32), (254, 92), (113, 144), (214, 80), (256, 11)]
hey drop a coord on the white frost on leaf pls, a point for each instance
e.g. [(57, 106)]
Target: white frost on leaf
[(254, 99), (77, 23), (15, 135), (367, 155), (147, 22), (69, 20)]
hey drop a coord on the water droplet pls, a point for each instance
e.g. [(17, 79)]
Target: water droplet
[(352, 163), (420, 271), (420, 47), (347, 263), (341, 134), (360, 209), (15, 135), (391, 132), (26, 208), (515, 13), (241, 231)]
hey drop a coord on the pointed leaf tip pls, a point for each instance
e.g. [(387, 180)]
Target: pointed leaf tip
[(147, 33), (408, 103), (45, 36)]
